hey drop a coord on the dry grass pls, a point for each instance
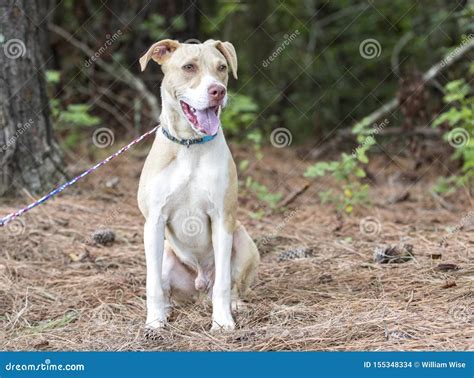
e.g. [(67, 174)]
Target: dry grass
[(58, 291)]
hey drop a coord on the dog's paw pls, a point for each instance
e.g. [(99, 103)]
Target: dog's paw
[(228, 325)]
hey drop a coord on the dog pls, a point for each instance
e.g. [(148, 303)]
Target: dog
[(188, 188)]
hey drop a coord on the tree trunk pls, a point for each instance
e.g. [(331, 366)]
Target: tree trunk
[(29, 157)]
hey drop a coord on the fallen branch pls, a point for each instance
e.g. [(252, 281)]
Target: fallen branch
[(114, 69), (394, 131), (393, 104), (347, 134), (443, 64), (294, 195)]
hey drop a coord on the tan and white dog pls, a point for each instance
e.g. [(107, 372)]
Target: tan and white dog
[(188, 190)]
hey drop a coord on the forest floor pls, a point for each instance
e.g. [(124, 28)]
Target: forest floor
[(61, 291)]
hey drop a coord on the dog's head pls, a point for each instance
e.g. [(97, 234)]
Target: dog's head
[(195, 79)]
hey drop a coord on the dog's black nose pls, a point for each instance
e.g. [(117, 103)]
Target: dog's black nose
[(216, 92)]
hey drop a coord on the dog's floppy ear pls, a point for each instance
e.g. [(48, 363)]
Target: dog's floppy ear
[(159, 52), (227, 49)]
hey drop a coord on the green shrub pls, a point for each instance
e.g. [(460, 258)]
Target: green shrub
[(460, 119), (69, 119), (240, 112)]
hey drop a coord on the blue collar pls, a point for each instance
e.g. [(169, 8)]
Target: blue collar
[(188, 142)]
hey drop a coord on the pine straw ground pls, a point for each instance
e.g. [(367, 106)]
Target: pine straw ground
[(59, 291)]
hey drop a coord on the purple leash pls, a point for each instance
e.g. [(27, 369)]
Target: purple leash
[(58, 190)]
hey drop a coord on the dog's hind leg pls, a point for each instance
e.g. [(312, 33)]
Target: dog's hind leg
[(245, 260), (178, 279)]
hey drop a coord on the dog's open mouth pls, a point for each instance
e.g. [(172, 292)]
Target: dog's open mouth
[(204, 120)]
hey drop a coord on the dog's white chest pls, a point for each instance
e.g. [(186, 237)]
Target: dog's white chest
[(188, 191)]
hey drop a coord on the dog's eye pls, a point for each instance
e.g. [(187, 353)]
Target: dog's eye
[(189, 67), (222, 67)]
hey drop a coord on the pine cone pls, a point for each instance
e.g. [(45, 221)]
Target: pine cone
[(103, 237), (399, 253), (295, 253)]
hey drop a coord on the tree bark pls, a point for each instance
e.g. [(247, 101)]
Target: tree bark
[(29, 156)]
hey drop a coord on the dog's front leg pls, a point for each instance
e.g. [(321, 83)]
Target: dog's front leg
[(221, 292), (156, 298)]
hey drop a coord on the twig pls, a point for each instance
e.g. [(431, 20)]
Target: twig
[(424, 131), (412, 294), (114, 113), (114, 69), (394, 60), (109, 109), (394, 131), (294, 195), (441, 201)]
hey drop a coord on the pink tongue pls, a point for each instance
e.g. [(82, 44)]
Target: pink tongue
[(208, 121)]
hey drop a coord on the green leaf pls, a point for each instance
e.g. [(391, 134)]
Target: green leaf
[(317, 170), (52, 76), (78, 115), (243, 165), (360, 173)]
